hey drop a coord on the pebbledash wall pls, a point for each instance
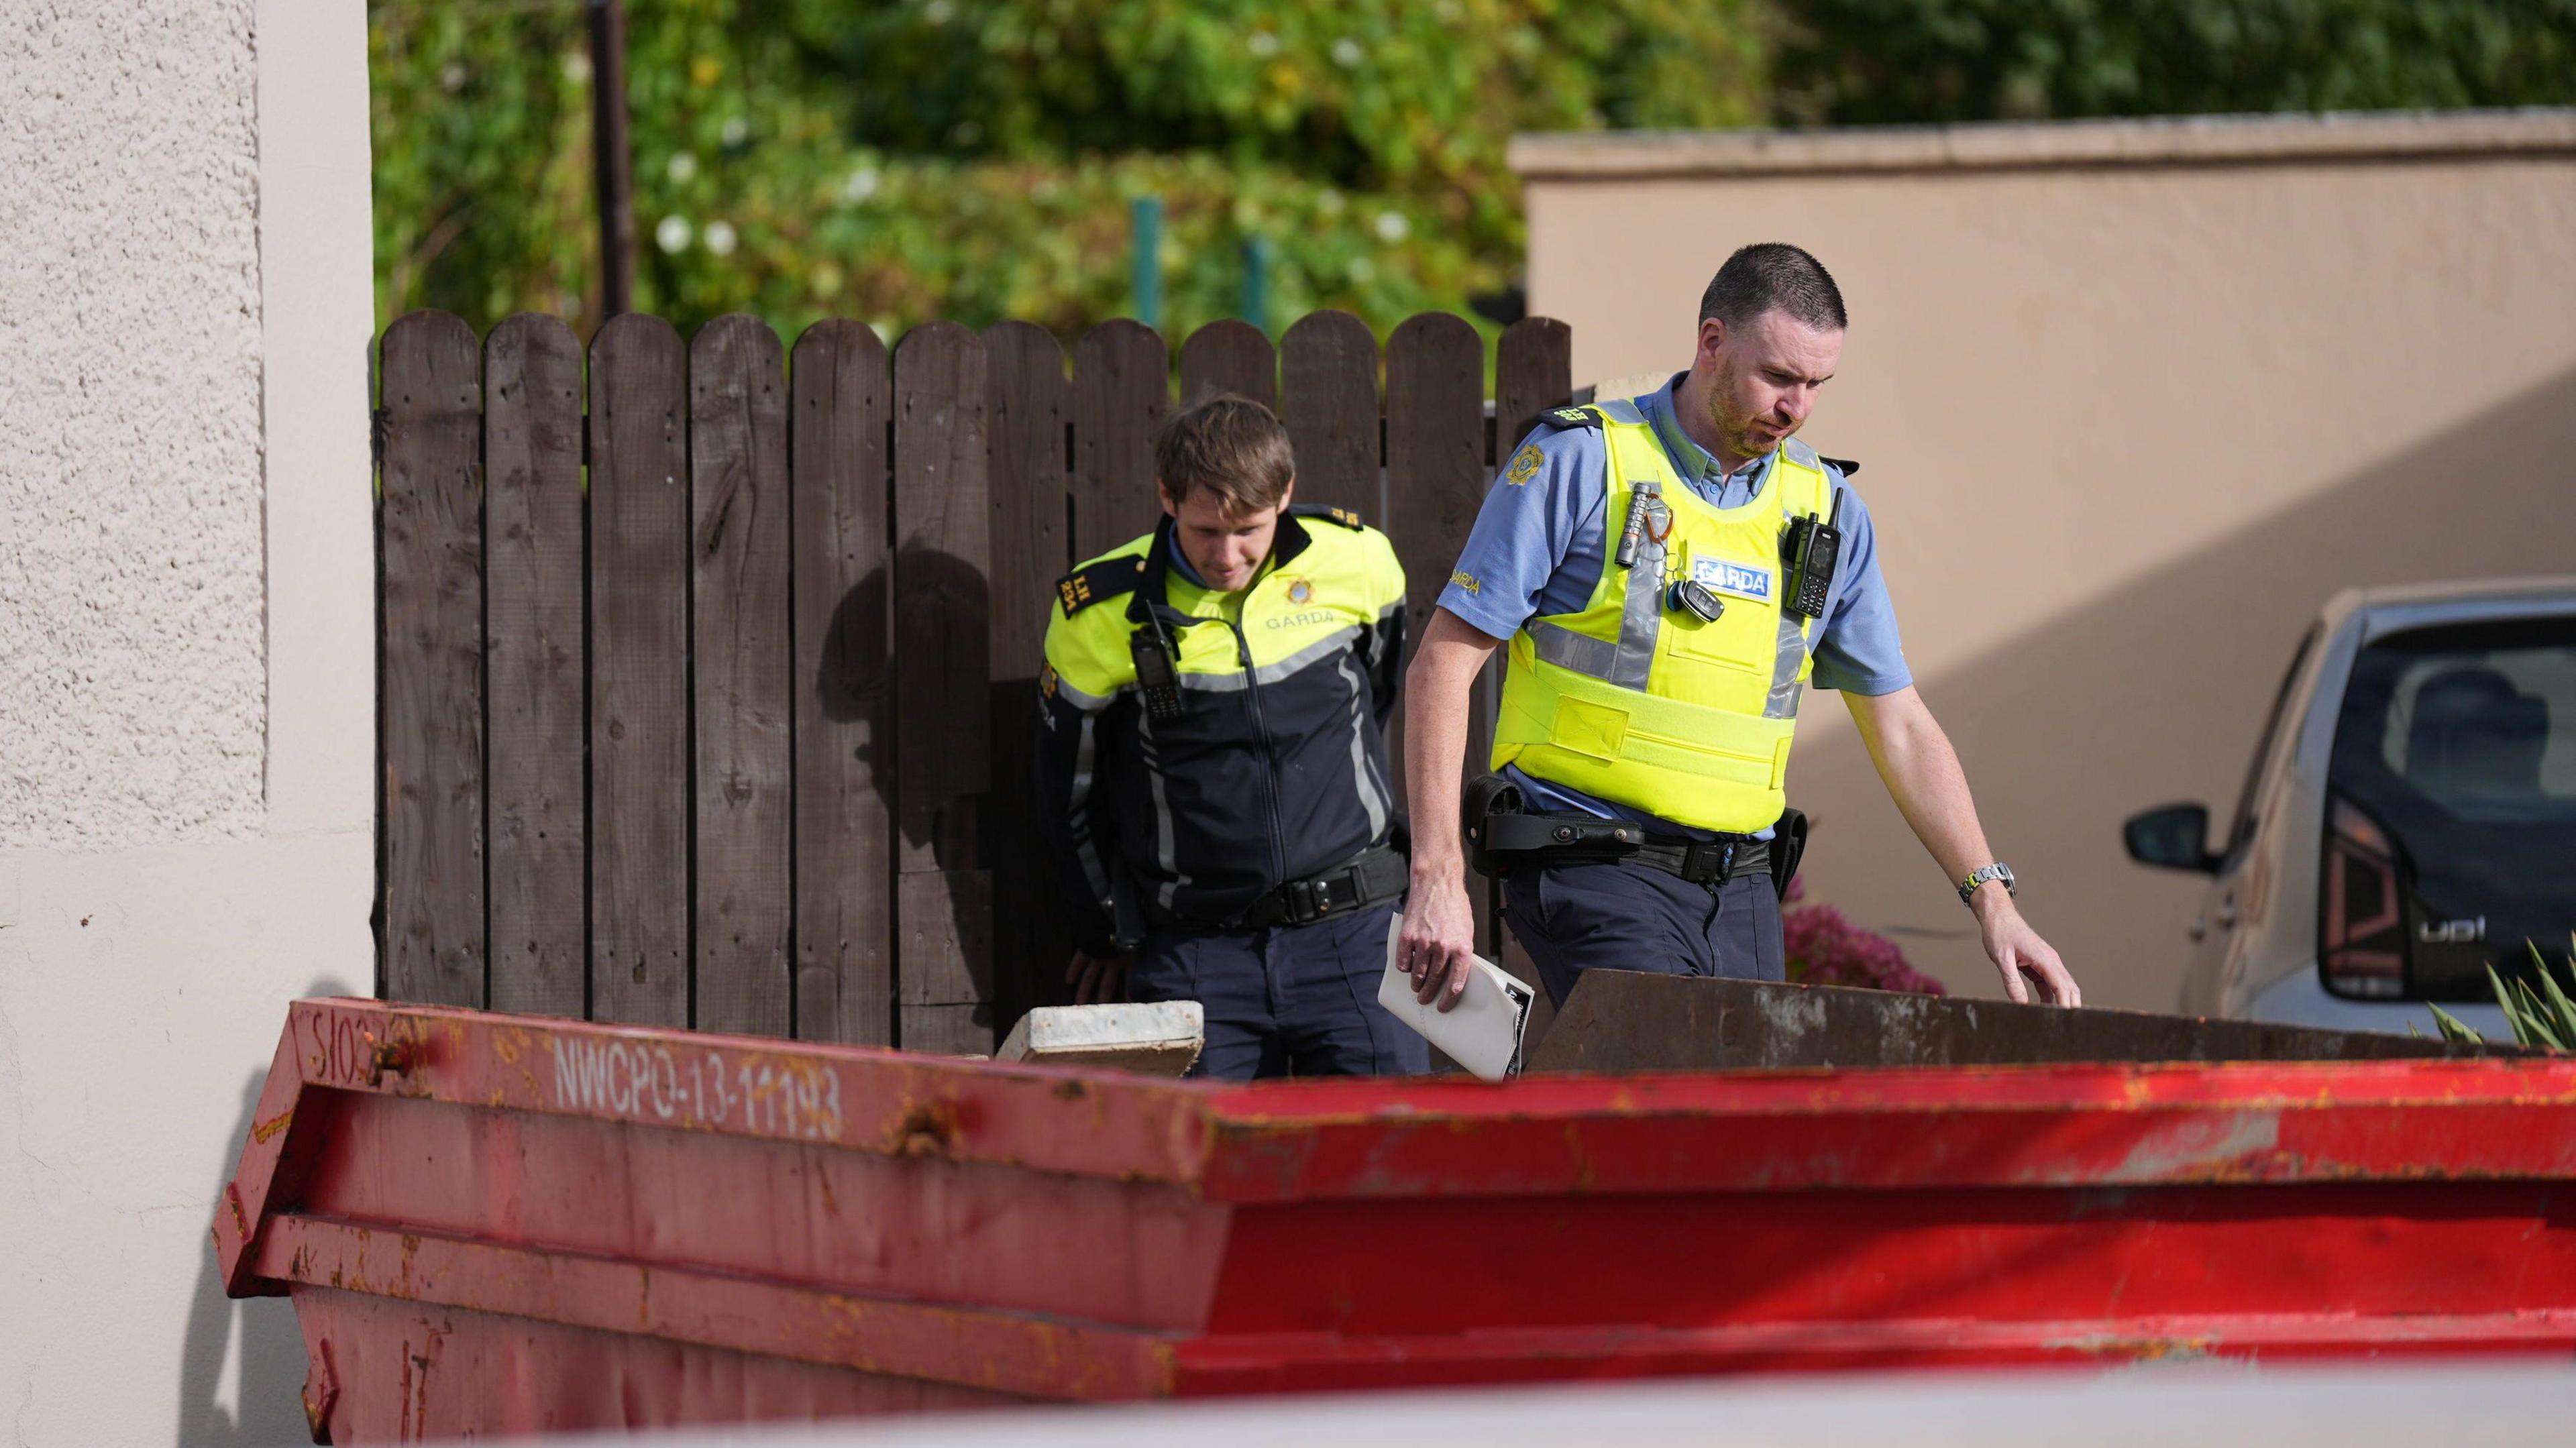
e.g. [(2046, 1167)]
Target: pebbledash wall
[(2131, 399), (186, 674)]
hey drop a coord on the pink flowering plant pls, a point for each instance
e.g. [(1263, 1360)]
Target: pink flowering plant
[(1826, 949)]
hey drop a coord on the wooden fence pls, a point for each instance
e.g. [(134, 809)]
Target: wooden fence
[(708, 670)]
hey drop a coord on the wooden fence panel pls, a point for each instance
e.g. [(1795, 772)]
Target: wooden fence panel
[(431, 541), (532, 424), (1435, 484), (738, 622), (1533, 371), (942, 603), (1229, 356), (639, 684), (1032, 417), (1122, 391), (1329, 362), (766, 771), (844, 699)]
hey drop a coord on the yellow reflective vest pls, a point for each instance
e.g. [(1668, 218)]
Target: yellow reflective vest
[(1642, 704)]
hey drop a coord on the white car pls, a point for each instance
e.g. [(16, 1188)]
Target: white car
[(2409, 816)]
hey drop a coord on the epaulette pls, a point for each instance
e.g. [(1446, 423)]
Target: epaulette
[(1564, 417), (1108, 578), (1843, 465), (1343, 516)]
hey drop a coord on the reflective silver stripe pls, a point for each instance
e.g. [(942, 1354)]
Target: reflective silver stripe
[(1271, 673), (1641, 617), (1556, 644), (1164, 854), (1374, 640), (1363, 770), (1087, 703), (1085, 758), (1788, 658), (1622, 409)]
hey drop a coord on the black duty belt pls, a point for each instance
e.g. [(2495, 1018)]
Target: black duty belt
[(1705, 862), (1376, 875)]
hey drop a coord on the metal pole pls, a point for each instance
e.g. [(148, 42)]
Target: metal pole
[(1148, 261), (613, 166), (1257, 252)]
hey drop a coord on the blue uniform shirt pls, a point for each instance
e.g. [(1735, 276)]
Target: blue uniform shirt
[(1539, 545)]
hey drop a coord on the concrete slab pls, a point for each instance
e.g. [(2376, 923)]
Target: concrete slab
[(1151, 1040)]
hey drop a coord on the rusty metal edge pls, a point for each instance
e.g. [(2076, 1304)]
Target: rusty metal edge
[(1324, 1362), (1022, 1354)]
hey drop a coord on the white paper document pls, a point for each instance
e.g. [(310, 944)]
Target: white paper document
[(1482, 1032)]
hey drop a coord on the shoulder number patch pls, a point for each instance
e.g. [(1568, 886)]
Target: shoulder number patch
[(1106, 579), (1525, 465), (1570, 417)]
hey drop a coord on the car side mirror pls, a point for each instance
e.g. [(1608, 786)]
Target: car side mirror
[(2173, 837)]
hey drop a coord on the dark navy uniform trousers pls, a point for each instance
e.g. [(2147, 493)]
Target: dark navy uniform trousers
[(1574, 918), (1290, 996)]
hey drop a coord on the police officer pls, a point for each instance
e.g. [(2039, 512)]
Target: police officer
[(1670, 571), (1212, 768)]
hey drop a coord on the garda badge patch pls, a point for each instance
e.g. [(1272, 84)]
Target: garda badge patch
[(1046, 681), (1525, 465), (1741, 579), (1300, 591)]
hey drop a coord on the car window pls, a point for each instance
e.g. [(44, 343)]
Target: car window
[(2482, 726), (2241, 828)]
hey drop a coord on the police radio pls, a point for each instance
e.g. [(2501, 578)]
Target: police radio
[(1810, 549), (1156, 677)]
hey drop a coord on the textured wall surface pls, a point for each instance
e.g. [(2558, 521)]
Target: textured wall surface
[(130, 526), (185, 547)]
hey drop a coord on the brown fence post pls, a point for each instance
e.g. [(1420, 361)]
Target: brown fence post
[(1533, 371), (1435, 484), (1229, 356), (639, 681), (942, 680), (1122, 391), (739, 621), (430, 522), (532, 422), (844, 734), (1032, 415), (1328, 362)]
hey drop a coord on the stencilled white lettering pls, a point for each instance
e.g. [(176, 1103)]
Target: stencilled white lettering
[(790, 1097)]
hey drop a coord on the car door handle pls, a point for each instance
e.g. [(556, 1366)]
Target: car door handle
[(2226, 914), (2199, 930)]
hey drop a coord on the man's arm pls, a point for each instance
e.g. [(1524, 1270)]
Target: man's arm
[(1922, 775), (1439, 934)]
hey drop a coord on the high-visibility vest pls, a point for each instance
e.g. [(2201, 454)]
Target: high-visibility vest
[(1631, 701)]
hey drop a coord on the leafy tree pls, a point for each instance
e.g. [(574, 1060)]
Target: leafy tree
[(903, 159), (1878, 61)]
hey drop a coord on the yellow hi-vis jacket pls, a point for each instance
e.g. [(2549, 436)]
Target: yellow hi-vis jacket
[(1644, 705), (1274, 768)]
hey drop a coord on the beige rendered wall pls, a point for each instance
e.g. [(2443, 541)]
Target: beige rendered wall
[(186, 674), (2131, 400)]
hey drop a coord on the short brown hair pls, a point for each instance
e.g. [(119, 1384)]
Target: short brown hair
[(1232, 446)]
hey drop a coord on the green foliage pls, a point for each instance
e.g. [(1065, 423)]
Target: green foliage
[(975, 158), (2540, 1015), (1879, 61)]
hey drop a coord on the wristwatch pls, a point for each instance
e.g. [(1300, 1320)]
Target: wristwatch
[(1980, 875)]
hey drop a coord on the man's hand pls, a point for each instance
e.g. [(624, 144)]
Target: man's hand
[(1098, 979), (1438, 939), (2017, 951)]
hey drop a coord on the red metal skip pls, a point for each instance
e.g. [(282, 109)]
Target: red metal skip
[(506, 1224)]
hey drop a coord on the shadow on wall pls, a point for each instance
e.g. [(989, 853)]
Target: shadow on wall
[(2155, 692), (263, 1401)]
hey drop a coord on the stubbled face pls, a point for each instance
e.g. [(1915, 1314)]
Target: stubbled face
[(1225, 548), (1763, 379)]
